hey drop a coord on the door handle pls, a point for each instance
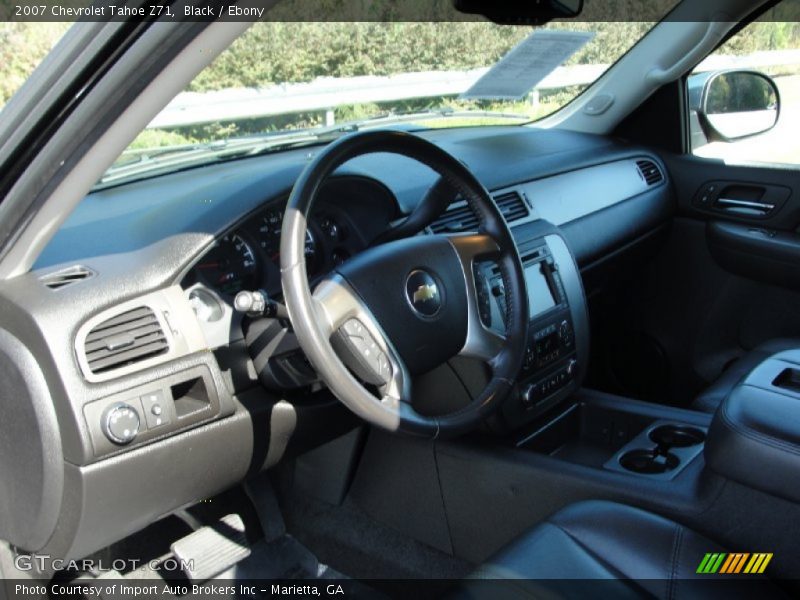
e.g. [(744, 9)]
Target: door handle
[(742, 200), (734, 203)]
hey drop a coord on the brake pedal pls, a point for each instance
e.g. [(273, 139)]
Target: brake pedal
[(212, 549)]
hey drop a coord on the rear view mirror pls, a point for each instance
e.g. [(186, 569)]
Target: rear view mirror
[(521, 12), (732, 105)]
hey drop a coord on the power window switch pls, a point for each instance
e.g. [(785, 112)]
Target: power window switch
[(156, 412)]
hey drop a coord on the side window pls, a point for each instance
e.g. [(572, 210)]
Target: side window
[(744, 99)]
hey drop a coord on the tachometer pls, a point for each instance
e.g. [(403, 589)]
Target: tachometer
[(230, 266)]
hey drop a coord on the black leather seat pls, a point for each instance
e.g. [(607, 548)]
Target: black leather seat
[(639, 554), (714, 394)]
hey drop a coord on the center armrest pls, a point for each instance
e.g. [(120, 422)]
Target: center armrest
[(755, 434)]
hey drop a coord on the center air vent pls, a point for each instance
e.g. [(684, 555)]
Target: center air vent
[(130, 337), (649, 171), (459, 217), (512, 206), (454, 220)]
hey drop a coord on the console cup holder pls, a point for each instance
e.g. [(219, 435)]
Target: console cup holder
[(677, 436), (648, 462), (661, 450)]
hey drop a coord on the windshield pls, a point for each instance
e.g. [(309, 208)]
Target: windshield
[(285, 84)]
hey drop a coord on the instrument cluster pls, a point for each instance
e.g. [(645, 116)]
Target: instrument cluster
[(249, 257)]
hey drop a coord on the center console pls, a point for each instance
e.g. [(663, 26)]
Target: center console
[(754, 438), (558, 334)]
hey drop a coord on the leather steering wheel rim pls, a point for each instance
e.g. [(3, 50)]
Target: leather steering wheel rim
[(319, 317)]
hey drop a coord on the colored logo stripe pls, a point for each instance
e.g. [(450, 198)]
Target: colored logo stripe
[(736, 562), (711, 562), (758, 563)]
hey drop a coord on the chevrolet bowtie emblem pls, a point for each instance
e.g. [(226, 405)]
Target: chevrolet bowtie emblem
[(425, 293)]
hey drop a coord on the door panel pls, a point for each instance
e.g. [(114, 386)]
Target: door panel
[(724, 282), (752, 212)]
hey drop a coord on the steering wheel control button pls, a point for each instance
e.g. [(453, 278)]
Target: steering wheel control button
[(361, 353), (423, 293), (155, 409), (120, 423)]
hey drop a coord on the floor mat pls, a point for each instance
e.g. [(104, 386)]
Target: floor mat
[(352, 542)]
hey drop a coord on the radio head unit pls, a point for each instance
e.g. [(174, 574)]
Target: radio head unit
[(545, 289), (551, 358)]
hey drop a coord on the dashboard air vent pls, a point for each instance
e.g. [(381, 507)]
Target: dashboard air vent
[(461, 218), (650, 171), (65, 277), (512, 206), (455, 220), (133, 336)]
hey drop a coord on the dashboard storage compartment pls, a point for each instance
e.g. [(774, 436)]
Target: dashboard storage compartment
[(190, 397), (754, 438)]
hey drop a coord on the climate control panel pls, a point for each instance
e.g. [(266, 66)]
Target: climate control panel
[(550, 343), (538, 392)]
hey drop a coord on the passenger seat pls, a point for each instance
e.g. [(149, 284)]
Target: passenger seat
[(637, 553), (714, 394)]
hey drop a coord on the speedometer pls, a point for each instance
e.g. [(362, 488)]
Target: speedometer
[(230, 266)]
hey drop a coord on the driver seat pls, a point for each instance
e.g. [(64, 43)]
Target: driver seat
[(640, 554)]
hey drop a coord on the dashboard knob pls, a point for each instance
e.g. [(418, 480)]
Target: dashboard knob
[(120, 423), (530, 394), (572, 367)]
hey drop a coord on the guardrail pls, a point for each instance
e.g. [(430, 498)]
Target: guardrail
[(325, 94)]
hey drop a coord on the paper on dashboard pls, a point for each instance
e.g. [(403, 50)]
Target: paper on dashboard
[(528, 63)]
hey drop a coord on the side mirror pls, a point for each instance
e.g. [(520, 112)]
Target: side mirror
[(732, 105)]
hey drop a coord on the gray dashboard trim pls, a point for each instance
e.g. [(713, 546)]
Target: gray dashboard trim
[(567, 197), (174, 315), (570, 196), (573, 284), (120, 495), (31, 462)]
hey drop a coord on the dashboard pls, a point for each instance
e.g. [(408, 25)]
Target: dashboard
[(137, 253)]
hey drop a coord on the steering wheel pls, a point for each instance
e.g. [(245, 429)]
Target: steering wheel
[(404, 307)]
